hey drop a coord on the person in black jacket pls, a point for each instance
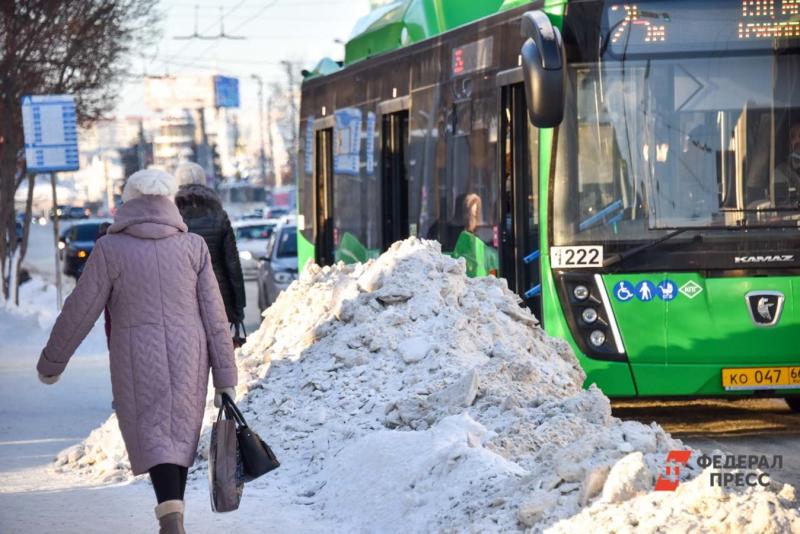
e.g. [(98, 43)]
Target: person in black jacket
[(202, 212)]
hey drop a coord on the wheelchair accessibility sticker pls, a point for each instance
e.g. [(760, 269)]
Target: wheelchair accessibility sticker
[(623, 291), (645, 291)]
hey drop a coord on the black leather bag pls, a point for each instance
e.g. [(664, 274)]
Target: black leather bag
[(239, 335), (257, 457)]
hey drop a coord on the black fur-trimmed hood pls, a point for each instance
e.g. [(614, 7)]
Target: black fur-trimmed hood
[(198, 196)]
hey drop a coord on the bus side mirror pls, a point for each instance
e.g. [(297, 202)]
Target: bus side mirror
[(544, 72)]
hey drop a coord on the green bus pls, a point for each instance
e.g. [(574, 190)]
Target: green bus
[(631, 169)]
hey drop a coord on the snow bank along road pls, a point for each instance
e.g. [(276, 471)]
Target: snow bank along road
[(404, 397)]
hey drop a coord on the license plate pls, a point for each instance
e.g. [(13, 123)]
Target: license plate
[(761, 378)]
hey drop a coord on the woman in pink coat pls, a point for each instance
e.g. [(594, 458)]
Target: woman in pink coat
[(168, 326)]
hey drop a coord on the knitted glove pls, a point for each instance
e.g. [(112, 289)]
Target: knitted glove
[(218, 395), (49, 380)]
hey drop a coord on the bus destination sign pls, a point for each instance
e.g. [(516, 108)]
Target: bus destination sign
[(648, 27)]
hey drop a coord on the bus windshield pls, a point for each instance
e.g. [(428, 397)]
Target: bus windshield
[(661, 134)]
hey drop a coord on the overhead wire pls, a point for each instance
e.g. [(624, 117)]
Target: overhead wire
[(237, 28), (209, 28)]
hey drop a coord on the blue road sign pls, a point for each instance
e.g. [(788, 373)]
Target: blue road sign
[(226, 92), (49, 123), (623, 291)]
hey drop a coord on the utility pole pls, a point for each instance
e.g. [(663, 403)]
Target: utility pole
[(56, 232), (109, 185), (205, 158), (272, 181), (290, 78), (140, 147), (262, 157)]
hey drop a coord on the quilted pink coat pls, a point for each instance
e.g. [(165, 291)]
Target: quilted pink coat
[(168, 325)]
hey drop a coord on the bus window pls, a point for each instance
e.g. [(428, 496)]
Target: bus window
[(472, 190), (666, 143)]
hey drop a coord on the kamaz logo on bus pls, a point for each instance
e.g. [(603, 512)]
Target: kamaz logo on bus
[(764, 259)]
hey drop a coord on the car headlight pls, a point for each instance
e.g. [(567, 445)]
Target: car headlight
[(246, 255), (283, 277), (61, 245)]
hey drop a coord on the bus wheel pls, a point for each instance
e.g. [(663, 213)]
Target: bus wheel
[(794, 403)]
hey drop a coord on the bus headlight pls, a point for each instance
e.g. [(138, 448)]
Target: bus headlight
[(589, 315), (581, 292), (597, 338)]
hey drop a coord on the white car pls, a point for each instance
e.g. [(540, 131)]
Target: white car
[(251, 240)]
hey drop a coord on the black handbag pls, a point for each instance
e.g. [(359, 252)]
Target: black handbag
[(257, 457), (239, 337)]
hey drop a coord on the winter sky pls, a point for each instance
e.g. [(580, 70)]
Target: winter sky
[(275, 30)]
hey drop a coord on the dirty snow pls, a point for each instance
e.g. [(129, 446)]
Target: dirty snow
[(401, 396)]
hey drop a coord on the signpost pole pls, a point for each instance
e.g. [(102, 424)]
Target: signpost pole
[(51, 144), (56, 218)]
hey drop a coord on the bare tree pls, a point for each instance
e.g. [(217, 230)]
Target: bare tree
[(77, 47)]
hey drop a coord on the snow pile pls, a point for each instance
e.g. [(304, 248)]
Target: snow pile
[(695, 506), (38, 308), (401, 395), (101, 457)]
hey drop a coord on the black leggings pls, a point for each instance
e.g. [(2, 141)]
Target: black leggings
[(169, 481)]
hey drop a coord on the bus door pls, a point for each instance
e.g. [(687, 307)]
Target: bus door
[(394, 175), (323, 196), (519, 194)]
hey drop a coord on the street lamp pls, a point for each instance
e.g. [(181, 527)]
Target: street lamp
[(262, 155)]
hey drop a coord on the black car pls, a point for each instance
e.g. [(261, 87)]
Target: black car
[(66, 213), (78, 243)]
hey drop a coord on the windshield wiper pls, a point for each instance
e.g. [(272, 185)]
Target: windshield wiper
[(616, 258)]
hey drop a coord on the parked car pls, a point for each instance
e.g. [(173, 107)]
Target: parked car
[(251, 240), (278, 269), (277, 212), (251, 215), (77, 243), (70, 212), (19, 230)]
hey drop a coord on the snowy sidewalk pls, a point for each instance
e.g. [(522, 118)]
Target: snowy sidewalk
[(38, 421)]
